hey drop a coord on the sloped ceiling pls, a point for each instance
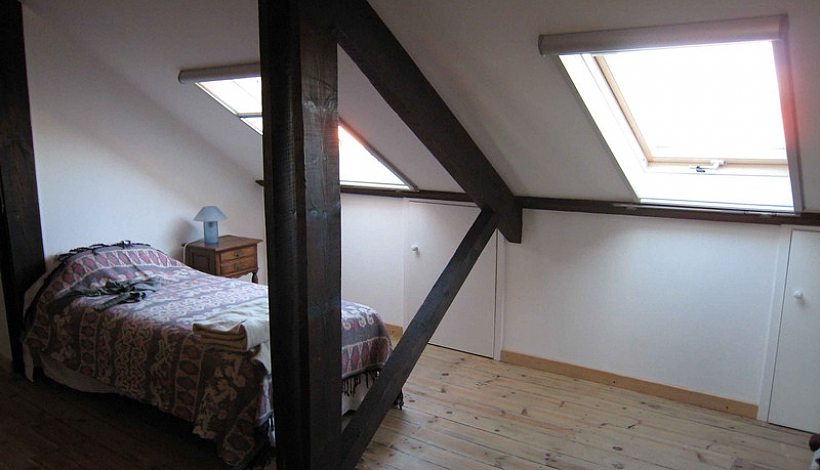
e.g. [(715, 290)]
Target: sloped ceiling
[(480, 55), (150, 41)]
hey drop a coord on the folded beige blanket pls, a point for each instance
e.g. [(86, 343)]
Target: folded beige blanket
[(241, 328)]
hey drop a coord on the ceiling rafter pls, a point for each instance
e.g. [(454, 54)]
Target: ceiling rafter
[(394, 74)]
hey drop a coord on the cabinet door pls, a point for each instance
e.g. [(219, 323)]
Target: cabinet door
[(433, 234), (796, 391)]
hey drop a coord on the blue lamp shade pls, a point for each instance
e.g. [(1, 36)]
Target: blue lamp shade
[(210, 216)]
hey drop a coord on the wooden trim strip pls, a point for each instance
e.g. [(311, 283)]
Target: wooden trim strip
[(395, 331), (383, 394), (617, 208), (712, 402)]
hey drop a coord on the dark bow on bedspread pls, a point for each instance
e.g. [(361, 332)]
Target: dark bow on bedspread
[(124, 292)]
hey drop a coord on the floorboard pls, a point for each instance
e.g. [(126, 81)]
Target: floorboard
[(461, 412)]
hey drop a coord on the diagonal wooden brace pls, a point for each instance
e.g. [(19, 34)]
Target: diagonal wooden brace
[(391, 70), (381, 396)]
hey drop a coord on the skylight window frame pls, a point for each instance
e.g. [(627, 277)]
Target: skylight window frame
[(756, 165), (772, 29), (252, 70)]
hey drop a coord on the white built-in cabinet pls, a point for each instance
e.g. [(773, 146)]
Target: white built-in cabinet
[(433, 231), (795, 395)]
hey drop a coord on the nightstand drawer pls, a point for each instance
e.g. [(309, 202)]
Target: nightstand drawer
[(237, 265), (234, 255)]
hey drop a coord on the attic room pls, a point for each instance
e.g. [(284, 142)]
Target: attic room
[(607, 315)]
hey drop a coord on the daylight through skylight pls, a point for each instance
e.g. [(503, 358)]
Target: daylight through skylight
[(713, 102), (359, 165), (691, 113), (240, 96)]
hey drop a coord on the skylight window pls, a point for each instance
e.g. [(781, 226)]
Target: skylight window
[(359, 164), (242, 96), (255, 122), (360, 167), (701, 103), (691, 113)]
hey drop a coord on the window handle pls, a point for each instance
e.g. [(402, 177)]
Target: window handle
[(713, 165)]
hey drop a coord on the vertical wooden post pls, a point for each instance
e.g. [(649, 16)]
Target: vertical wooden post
[(21, 240), (302, 216)]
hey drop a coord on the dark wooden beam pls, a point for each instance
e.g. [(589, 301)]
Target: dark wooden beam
[(302, 220), (421, 194), (396, 77), (21, 240), (670, 211), (617, 208), (381, 396), (400, 193)]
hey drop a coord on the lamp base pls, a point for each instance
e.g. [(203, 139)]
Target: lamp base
[(211, 233)]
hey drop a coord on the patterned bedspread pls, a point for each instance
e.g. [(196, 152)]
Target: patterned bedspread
[(146, 350)]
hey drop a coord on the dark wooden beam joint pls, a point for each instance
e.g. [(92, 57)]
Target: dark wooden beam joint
[(302, 219), (21, 240), (381, 396), (403, 86)]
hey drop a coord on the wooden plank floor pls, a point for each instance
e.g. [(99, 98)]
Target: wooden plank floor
[(462, 412)]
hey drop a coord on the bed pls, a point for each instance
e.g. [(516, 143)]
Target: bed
[(120, 319)]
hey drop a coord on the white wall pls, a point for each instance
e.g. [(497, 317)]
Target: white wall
[(113, 165), (684, 303), (372, 256), (678, 302)]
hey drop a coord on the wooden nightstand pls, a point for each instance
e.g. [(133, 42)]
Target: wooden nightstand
[(230, 257)]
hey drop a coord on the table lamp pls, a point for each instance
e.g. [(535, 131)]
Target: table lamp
[(210, 216)]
